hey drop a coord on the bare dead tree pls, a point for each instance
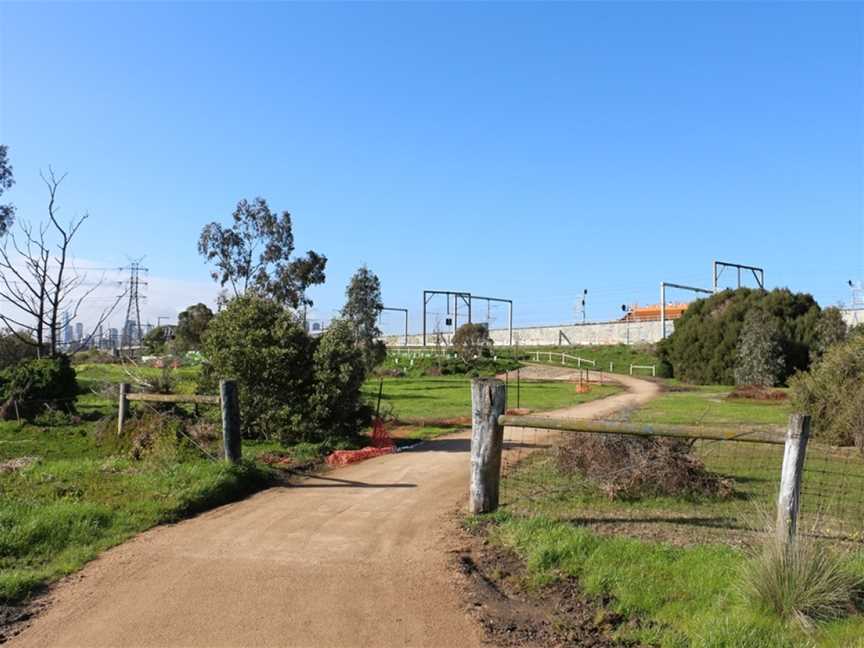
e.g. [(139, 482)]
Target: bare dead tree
[(38, 280)]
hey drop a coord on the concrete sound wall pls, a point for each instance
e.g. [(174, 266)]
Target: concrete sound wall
[(592, 333), (853, 316)]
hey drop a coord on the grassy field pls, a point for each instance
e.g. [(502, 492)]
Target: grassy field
[(677, 561), (684, 596), (709, 405)]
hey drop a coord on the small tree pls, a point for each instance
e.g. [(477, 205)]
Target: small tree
[(191, 325), (38, 280), (254, 254), (336, 408), (7, 212), (155, 340), (471, 341), (362, 308), (759, 355), (830, 330)]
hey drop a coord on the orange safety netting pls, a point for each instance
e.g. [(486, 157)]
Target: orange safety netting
[(382, 444)]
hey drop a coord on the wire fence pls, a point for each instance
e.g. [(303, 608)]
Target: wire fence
[(681, 490)]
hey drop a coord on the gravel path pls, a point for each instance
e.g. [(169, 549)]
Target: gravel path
[(355, 557)]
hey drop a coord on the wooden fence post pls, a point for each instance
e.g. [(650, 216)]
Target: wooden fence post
[(122, 407), (789, 499), (230, 420), (488, 397)]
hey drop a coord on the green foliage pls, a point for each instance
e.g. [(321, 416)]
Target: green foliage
[(831, 329), (265, 348), (191, 325), (801, 581), (759, 355), (703, 348), (37, 384), (362, 308), (832, 392), (471, 342), (155, 340), (14, 349), (254, 255), (292, 386), (335, 406)]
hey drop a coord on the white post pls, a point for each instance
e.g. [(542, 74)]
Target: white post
[(662, 310), (789, 499)]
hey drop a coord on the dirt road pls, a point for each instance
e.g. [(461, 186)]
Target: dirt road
[(356, 557)]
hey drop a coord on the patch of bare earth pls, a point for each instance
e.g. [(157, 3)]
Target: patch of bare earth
[(513, 613)]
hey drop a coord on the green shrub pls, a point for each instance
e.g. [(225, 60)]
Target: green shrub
[(335, 407), (35, 385), (264, 347), (292, 387), (703, 348), (832, 392)]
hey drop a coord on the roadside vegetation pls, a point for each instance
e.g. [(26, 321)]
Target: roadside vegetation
[(682, 596), (70, 488)]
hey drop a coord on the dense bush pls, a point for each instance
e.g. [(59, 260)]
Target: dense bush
[(335, 407), (703, 348), (832, 392), (35, 385), (265, 349), (292, 386)]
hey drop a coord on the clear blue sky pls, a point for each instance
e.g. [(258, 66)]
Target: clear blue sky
[(519, 150)]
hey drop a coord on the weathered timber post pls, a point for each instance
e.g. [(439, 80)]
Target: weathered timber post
[(122, 407), (789, 499), (230, 420), (488, 397)]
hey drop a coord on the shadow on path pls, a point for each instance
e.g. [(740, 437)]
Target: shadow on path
[(342, 483)]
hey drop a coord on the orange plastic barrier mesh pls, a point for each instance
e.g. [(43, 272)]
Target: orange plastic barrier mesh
[(382, 444)]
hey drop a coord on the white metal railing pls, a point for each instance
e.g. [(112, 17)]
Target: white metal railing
[(653, 369), (538, 355)]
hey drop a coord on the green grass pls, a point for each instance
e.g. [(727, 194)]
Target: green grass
[(708, 405), (82, 496), (429, 399), (688, 596), (620, 355)]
